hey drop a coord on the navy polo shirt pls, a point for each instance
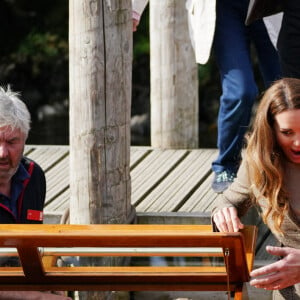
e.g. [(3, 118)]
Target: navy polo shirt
[(16, 189)]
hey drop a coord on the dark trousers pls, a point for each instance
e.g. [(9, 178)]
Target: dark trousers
[(239, 90)]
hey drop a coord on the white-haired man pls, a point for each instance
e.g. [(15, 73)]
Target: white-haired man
[(22, 181)]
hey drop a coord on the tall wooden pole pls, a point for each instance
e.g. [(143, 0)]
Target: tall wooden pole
[(174, 78), (100, 41)]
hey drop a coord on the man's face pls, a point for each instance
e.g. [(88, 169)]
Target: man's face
[(11, 151)]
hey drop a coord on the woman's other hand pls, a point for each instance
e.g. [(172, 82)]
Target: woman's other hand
[(280, 274)]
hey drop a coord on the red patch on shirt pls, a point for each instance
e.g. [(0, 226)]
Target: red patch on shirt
[(34, 215)]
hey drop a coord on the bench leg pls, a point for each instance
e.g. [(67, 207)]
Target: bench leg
[(241, 293)]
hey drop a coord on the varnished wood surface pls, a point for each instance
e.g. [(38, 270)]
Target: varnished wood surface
[(28, 238)]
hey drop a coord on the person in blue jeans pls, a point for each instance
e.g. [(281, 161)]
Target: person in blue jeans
[(231, 47), (221, 24)]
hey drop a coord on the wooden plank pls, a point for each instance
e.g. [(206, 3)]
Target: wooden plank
[(202, 199), (57, 179), (204, 196), (151, 165), (137, 154), (60, 204), (154, 168), (192, 182), (28, 149), (48, 156), (175, 188)]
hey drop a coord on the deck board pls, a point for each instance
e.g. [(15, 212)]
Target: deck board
[(202, 199), (57, 180), (178, 185), (162, 180), (156, 166), (48, 156), (60, 204), (137, 154)]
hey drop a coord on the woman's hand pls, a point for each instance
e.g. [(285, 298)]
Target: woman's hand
[(227, 220), (135, 24), (135, 20), (280, 274)]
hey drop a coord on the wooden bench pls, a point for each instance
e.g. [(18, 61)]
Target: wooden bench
[(38, 246)]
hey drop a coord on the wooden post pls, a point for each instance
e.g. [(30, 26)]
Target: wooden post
[(100, 42), (174, 78), (100, 39)]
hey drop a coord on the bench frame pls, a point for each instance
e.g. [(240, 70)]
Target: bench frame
[(38, 271)]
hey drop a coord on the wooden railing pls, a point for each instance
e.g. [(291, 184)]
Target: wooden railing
[(38, 246)]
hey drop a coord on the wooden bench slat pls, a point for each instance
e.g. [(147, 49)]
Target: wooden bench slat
[(42, 275)]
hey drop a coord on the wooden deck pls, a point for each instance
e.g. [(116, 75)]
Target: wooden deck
[(168, 186), (162, 180)]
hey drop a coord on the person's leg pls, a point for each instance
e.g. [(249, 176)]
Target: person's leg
[(289, 40), (231, 48), (266, 53)]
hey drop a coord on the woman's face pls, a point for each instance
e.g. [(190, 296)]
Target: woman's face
[(287, 131)]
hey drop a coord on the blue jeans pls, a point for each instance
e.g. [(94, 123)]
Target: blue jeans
[(232, 52)]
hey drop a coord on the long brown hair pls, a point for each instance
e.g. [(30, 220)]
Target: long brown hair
[(263, 154)]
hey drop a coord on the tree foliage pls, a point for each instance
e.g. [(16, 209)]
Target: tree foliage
[(34, 50)]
